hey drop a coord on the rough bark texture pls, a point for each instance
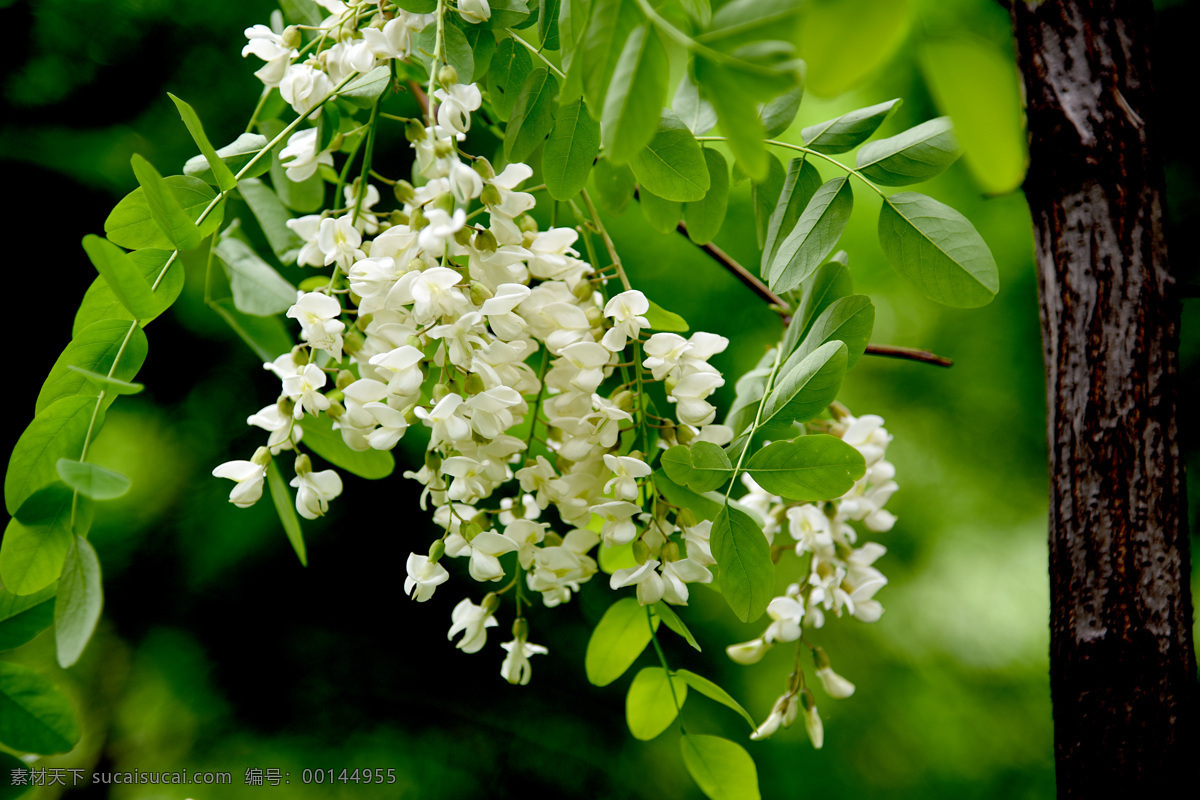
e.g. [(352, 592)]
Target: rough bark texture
[(1123, 669)]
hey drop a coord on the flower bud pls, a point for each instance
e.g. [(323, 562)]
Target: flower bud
[(583, 291), (486, 241), (363, 321), (484, 168), (416, 220), (686, 518), (445, 202), (262, 456), (414, 131), (344, 378), (527, 224), (286, 406), (480, 293), (352, 342), (520, 629), (463, 236), (474, 385), (433, 461), (447, 75), (471, 530), (440, 391), (303, 464), (623, 400), (291, 37), (670, 552), (443, 149), (490, 196), (552, 540), (403, 190), (490, 603), (436, 551), (414, 341), (684, 434), (300, 354), (335, 410), (641, 552)]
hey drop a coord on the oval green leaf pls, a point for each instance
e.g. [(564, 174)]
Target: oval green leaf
[(100, 302), (661, 215), (619, 638), (257, 288), (722, 769), (92, 481), (511, 65), (95, 349), (849, 320), (35, 544), (799, 185), (744, 559), (915, 155), (80, 600), (672, 621), (938, 250), (672, 165), (570, 150), (807, 389), (532, 117), (701, 467), (815, 235), (282, 499), (714, 692), (35, 717), (650, 706), (273, 218), (56, 432), (131, 224), (23, 617), (614, 186), (323, 440), (705, 217), (848, 131), (811, 468), (635, 96)]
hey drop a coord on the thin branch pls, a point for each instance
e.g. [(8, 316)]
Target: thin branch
[(777, 302)]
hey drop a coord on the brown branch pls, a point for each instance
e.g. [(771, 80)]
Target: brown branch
[(759, 288), (419, 94)]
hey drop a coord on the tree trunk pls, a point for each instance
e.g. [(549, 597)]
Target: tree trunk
[(1122, 664)]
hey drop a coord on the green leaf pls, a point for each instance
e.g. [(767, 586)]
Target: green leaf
[(94, 349), (830, 282), (672, 621), (165, 210), (916, 155), (306, 12), (23, 617), (695, 111), (662, 215), (650, 706), (702, 505), (509, 14), (846, 41), (636, 95), (109, 385), (848, 131), (257, 288), (36, 542), (938, 250), (672, 165), (976, 82), (799, 186), (272, 217), (777, 115), (483, 50), (722, 769), (35, 717), (714, 692), (131, 224), (92, 481), (570, 150), (286, 510), (56, 432), (764, 195), (662, 320), (235, 155), (11, 791), (323, 440), (364, 90), (815, 235), (125, 278), (811, 468), (705, 217), (805, 390), (744, 560), (742, 21), (737, 116), (548, 23), (609, 26), (748, 393), (101, 303), (510, 67), (847, 319), (80, 599), (619, 638), (701, 467), (266, 336), (458, 50), (191, 120), (532, 117), (614, 186)]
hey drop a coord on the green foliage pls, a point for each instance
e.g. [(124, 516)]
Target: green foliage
[(80, 599), (56, 432), (916, 155), (811, 468), (815, 236), (132, 224), (714, 692), (257, 288), (95, 349), (35, 717), (848, 131), (794, 193), (281, 498), (532, 116), (92, 481), (23, 617), (653, 702), (619, 638), (672, 164), (323, 440), (705, 217), (744, 563), (723, 770), (570, 150)]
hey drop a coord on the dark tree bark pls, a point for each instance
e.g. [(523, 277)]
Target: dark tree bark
[(1122, 663)]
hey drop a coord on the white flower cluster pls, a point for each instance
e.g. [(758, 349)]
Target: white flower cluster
[(431, 319), (841, 577)]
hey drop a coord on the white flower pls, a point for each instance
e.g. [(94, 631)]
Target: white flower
[(319, 324), (625, 310), (423, 577), (282, 427), (300, 157), (650, 586), (472, 621), (303, 87), (677, 575), (516, 668), (747, 653), (249, 477), (475, 11), (441, 229), (339, 240), (314, 490), (305, 390), (269, 46), (627, 470), (446, 420), (835, 685), (456, 104)]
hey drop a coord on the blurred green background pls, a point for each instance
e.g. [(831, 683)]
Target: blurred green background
[(218, 651)]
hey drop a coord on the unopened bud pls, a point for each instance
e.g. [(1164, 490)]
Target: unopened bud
[(552, 540), (595, 316), (442, 149), (471, 530), (623, 400), (484, 168), (436, 551), (640, 551), (303, 464), (262, 456), (447, 75), (414, 131), (490, 196), (527, 224), (583, 291), (286, 406), (433, 461), (416, 220), (686, 518), (335, 410), (300, 355), (670, 552), (490, 603), (291, 37), (474, 384), (683, 434), (440, 391), (480, 293), (403, 191), (486, 241), (344, 378), (463, 236), (352, 342)]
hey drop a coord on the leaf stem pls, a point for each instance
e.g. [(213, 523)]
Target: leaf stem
[(562, 75)]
